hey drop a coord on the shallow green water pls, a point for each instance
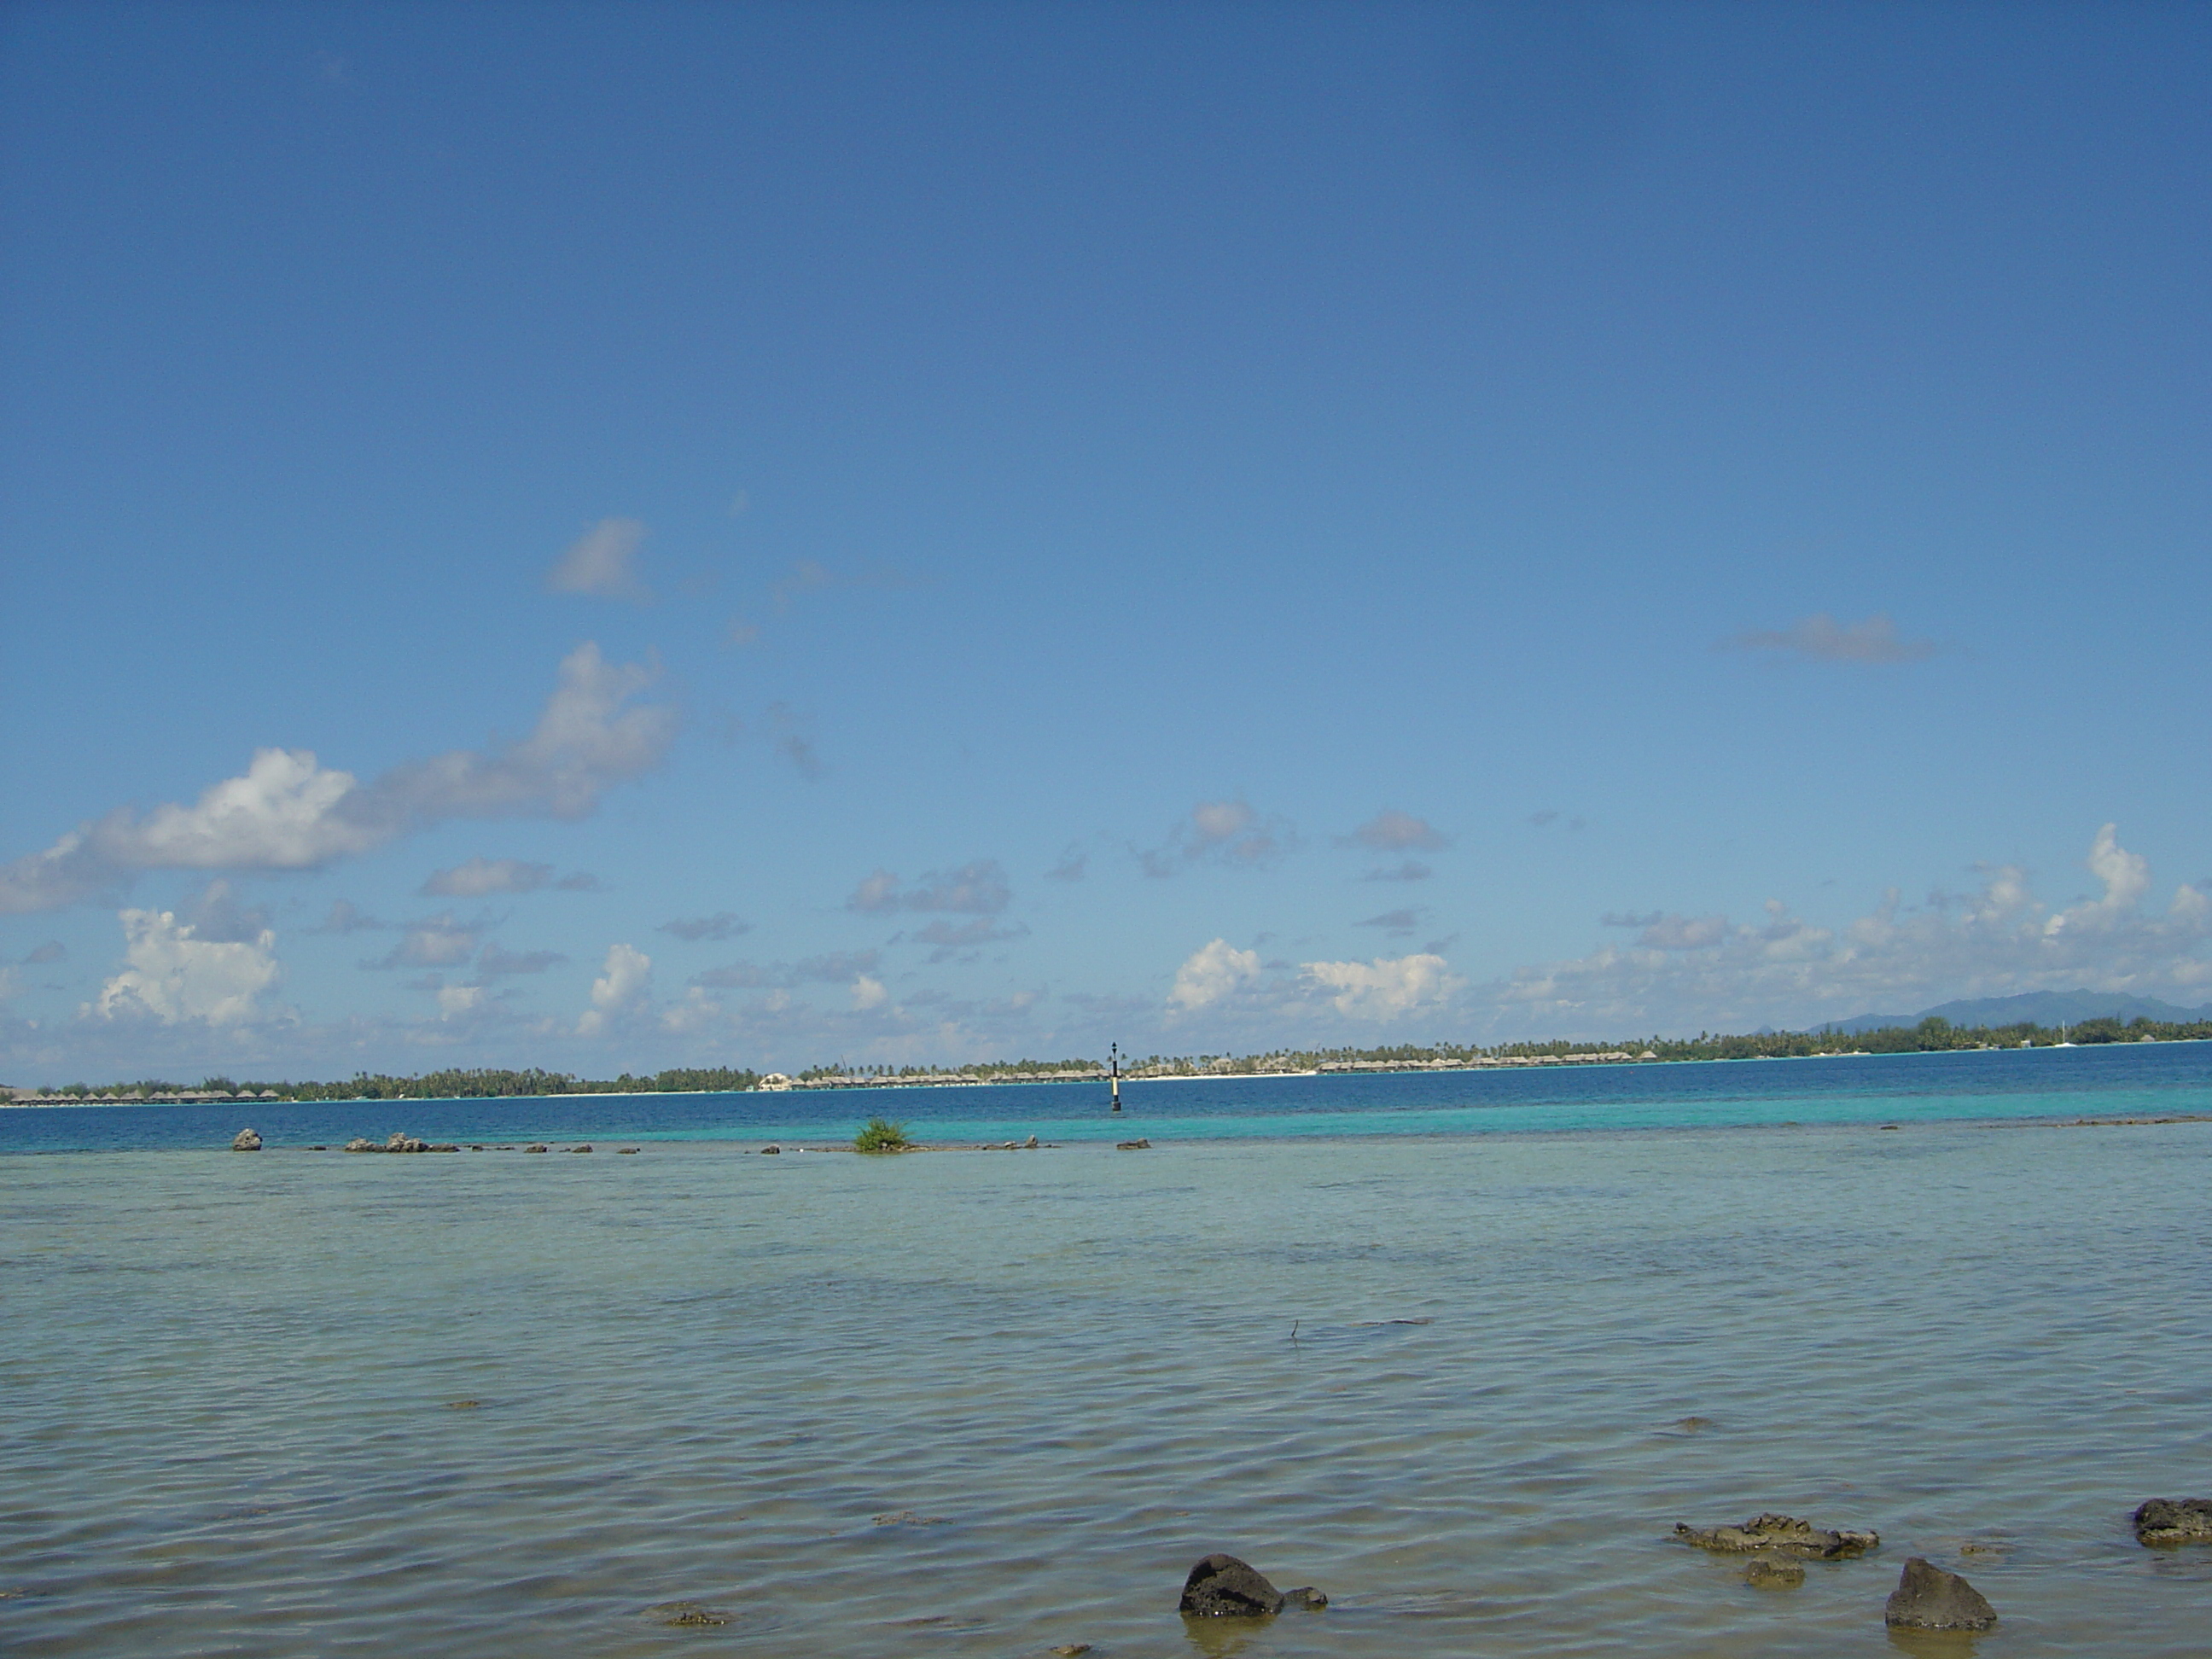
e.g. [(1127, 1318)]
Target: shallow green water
[(980, 1404)]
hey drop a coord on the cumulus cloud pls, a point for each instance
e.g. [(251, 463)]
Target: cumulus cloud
[(621, 982), (455, 1001), (723, 924), (1386, 987), (1685, 973), (868, 993), (289, 812), (1392, 831), (1226, 832), (976, 888), (602, 562), (480, 875), (1212, 972), (176, 977), (1821, 639)]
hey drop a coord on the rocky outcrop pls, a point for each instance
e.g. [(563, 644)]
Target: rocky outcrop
[(2174, 1520), (246, 1141), (537, 1146), (1779, 1534), (771, 1152), (1132, 1146), (400, 1143), (1223, 1587), (1929, 1598), (1773, 1572)]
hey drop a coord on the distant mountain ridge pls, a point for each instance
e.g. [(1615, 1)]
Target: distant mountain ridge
[(2030, 1008)]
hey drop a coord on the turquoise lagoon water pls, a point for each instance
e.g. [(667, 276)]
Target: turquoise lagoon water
[(966, 1404)]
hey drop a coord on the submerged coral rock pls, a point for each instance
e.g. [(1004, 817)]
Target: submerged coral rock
[(771, 1152), (246, 1141), (1779, 1534), (1132, 1146), (685, 1614), (1929, 1598), (2174, 1520), (1306, 1596), (537, 1146), (1222, 1587), (1773, 1572)]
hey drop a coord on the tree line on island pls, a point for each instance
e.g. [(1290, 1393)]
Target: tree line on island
[(1933, 1034)]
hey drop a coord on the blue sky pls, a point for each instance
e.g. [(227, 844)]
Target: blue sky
[(628, 536)]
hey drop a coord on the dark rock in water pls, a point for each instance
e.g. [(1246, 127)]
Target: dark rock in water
[(1222, 1587), (1306, 1596), (1779, 1534), (319, 1149), (1132, 1146), (1773, 1572), (443, 1146), (537, 1146), (1069, 1649), (585, 1147), (246, 1141), (686, 1615), (770, 1151), (627, 1152), (1929, 1598), (2174, 1520)]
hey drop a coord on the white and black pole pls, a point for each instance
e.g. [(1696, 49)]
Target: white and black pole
[(1114, 1055)]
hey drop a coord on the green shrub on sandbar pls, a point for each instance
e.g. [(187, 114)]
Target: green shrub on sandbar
[(881, 1136)]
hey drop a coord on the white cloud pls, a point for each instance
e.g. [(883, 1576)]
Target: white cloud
[(176, 977), (1820, 638), (1212, 972), (454, 1000), (289, 812), (480, 875), (620, 981), (1228, 832), (1387, 987), (1392, 831), (2126, 877), (868, 993), (979, 888), (440, 941), (600, 560)]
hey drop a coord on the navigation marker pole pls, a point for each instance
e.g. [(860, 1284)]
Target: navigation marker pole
[(1115, 1051)]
